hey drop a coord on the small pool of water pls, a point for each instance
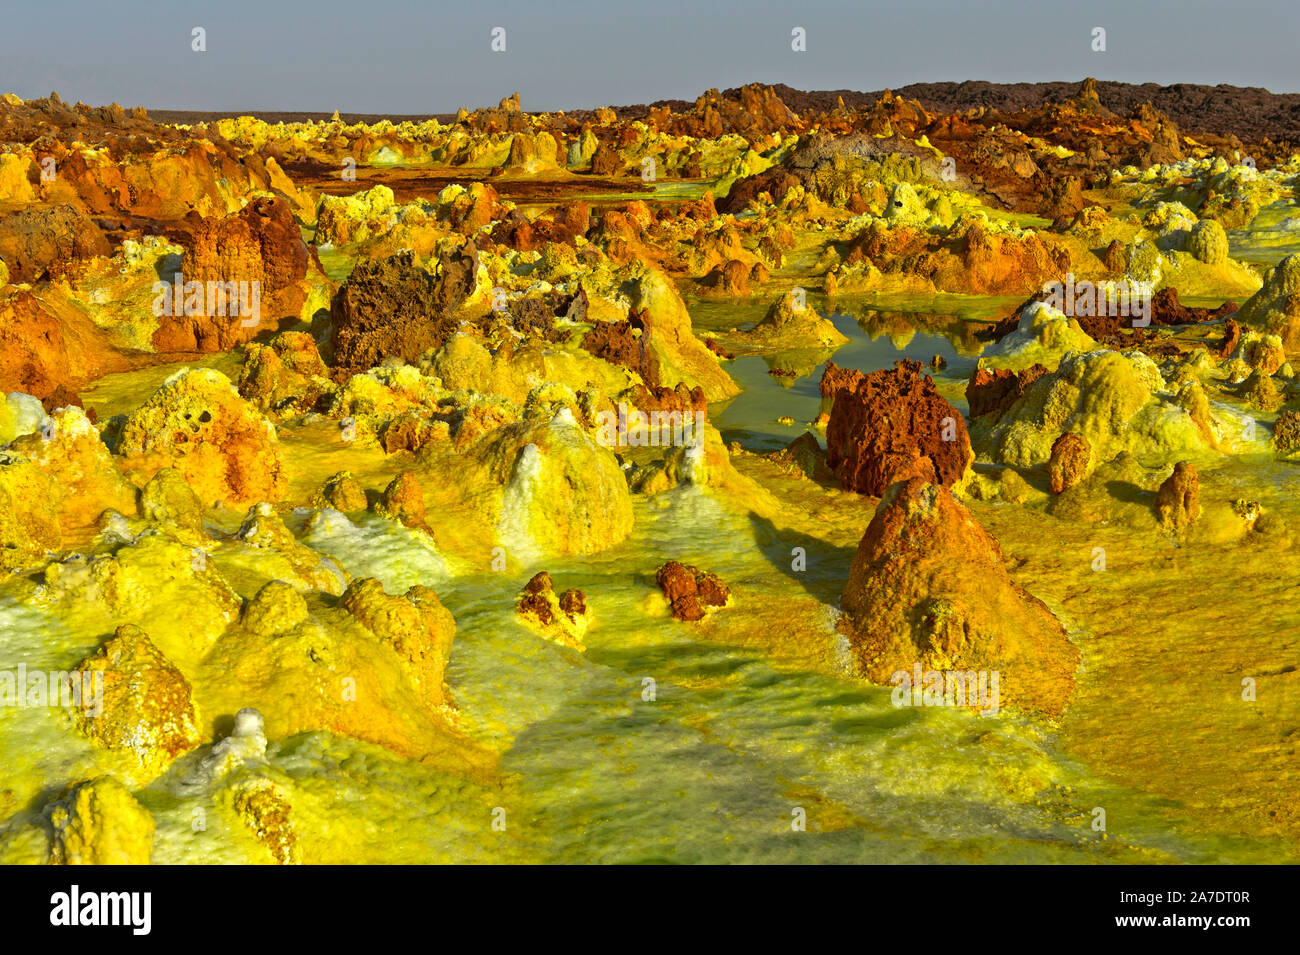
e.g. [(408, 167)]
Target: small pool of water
[(752, 418)]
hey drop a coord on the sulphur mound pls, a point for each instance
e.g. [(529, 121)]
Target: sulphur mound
[(197, 423), (98, 822), (929, 585), (365, 667), (355, 218), (415, 625), (1275, 308), (564, 493), (465, 363), (1044, 336), (146, 707), (790, 323), (1117, 401), (682, 356), (53, 483)]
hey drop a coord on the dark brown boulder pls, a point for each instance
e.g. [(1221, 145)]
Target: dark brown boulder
[(1167, 310), (606, 161), (526, 235), (1064, 198), (993, 392), (1231, 337), (574, 602), (539, 583), (394, 307), (729, 279)]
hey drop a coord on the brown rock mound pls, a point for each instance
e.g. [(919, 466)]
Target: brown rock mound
[(403, 500), (729, 279), (1231, 336), (890, 425), (1166, 309), (562, 619), (49, 347), (526, 235), (1069, 462), (625, 343), (1064, 197), (629, 344), (929, 585), (44, 243), (606, 161), (261, 243), (1178, 502)]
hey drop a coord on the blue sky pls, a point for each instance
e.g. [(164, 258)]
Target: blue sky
[(422, 57)]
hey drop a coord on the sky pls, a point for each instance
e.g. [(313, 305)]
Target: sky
[(425, 56)]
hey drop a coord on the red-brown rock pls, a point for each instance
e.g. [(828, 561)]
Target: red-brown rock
[(997, 390), (690, 590), (1231, 337), (403, 500), (259, 244), (1069, 462), (49, 347), (891, 425)]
